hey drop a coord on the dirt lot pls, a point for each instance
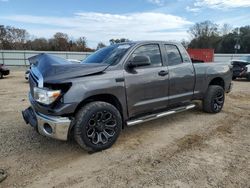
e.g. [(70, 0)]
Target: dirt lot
[(190, 149)]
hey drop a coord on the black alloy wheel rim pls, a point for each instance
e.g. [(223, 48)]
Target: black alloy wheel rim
[(101, 128), (218, 101)]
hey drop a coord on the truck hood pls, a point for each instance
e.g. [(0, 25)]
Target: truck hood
[(53, 68)]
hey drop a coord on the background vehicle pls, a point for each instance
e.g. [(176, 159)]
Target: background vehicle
[(27, 74), (241, 67), (3, 71), (123, 84)]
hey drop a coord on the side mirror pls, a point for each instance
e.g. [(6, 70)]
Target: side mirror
[(138, 61)]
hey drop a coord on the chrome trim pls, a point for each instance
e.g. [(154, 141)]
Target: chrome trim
[(134, 122), (162, 114), (165, 113), (60, 126), (37, 76), (190, 106)]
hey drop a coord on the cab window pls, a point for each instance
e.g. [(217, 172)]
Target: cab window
[(173, 54), (152, 51)]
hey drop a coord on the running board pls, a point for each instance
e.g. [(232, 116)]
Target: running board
[(159, 115)]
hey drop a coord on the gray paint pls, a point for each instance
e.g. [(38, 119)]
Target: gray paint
[(143, 89)]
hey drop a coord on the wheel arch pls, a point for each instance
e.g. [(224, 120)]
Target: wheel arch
[(109, 98), (217, 81)]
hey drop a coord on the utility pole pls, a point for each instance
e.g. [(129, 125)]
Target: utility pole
[(2, 33), (237, 45)]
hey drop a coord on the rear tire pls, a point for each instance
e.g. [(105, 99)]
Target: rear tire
[(214, 100), (248, 77), (97, 126)]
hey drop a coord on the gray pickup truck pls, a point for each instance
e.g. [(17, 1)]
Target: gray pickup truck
[(117, 86)]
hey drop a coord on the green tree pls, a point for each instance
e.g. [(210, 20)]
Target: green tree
[(245, 39), (205, 35)]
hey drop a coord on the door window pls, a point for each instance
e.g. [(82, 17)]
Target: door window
[(152, 51), (174, 56)]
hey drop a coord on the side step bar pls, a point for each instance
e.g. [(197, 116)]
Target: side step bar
[(159, 115)]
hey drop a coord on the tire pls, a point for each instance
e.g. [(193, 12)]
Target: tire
[(97, 126), (248, 77), (234, 78), (214, 99), (1, 75)]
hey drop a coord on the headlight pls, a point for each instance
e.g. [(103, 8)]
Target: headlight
[(46, 96)]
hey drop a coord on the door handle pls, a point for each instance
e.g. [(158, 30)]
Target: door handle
[(163, 73)]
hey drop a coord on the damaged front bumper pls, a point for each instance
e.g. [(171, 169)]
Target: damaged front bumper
[(56, 127)]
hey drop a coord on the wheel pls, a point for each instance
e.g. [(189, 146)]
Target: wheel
[(97, 126), (1, 75), (234, 78), (248, 77), (214, 99)]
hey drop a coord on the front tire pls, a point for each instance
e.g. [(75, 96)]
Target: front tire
[(97, 126), (214, 100)]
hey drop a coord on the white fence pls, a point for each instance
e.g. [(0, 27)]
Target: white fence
[(220, 58), (20, 58)]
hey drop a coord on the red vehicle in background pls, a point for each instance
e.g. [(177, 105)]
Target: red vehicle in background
[(201, 55)]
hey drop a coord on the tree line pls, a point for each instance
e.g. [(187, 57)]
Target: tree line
[(203, 35), (222, 39), (12, 38)]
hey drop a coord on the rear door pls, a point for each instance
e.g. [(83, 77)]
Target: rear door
[(147, 86), (181, 74)]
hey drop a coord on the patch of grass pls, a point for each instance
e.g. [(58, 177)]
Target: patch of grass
[(189, 141)]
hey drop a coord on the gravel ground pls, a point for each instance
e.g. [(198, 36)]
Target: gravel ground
[(190, 149)]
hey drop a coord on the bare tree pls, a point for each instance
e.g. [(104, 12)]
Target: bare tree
[(81, 43), (115, 41), (100, 45), (204, 29), (13, 38), (40, 44), (60, 41), (2, 35), (185, 43), (226, 29)]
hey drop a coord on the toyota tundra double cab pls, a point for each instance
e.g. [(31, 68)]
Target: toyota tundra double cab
[(117, 86)]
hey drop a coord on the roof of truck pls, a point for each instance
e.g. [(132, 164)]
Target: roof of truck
[(149, 41)]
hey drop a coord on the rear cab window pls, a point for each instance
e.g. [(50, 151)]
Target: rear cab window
[(176, 55)]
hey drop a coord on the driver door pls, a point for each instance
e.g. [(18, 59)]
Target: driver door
[(147, 86)]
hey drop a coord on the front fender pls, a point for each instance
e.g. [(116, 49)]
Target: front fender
[(103, 84)]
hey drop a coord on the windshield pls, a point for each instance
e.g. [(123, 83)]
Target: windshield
[(245, 58), (110, 55)]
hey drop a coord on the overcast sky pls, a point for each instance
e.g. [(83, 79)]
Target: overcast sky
[(100, 20)]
